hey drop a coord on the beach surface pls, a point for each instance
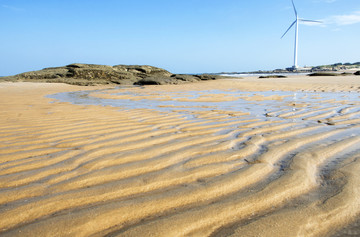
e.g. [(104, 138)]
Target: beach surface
[(231, 157)]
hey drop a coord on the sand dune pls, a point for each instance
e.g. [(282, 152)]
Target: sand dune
[(192, 166)]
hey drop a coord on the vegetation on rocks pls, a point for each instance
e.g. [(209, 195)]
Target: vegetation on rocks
[(92, 74)]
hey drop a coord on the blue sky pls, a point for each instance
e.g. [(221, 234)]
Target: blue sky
[(187, 36)]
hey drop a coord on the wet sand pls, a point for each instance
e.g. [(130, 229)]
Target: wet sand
[(91, 170)]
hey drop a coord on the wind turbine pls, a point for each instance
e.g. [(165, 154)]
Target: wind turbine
[(296, 23)]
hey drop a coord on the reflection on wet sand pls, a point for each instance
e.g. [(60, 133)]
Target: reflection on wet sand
[(178, 161)]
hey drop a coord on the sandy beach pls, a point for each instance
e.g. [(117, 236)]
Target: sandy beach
[(231, 157)]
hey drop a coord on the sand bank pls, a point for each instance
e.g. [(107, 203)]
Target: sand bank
[(182, 169)]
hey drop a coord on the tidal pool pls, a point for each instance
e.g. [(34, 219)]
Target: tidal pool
[(269, 105)]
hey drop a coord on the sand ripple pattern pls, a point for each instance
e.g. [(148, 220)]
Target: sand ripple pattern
[(97, 171)]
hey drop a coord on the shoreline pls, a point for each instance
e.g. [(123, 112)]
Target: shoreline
[(68, 169)]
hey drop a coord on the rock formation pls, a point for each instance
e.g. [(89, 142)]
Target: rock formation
[(91, 74)]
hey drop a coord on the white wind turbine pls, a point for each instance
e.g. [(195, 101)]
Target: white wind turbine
[(296, 23)]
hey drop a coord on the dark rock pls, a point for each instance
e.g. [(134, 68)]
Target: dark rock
[(73, 66), (150, 81), (357, 73), (161, 80), (185, 77), (273, 76), (323, 74), (205, 77)]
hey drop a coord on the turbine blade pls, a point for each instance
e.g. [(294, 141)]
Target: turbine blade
[(288, 29), (310, 21), (294, 7)]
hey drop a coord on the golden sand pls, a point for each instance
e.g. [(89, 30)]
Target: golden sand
[(90, 170)]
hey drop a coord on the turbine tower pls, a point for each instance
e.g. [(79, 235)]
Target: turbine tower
[(296, 23)]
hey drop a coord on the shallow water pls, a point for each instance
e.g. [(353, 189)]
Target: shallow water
[(287, 105)]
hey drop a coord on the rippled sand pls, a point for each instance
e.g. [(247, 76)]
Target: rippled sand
[(90, 170)]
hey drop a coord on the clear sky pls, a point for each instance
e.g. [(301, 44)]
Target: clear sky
[(182, 36)]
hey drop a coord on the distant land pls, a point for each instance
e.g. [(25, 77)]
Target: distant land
[(93, 74), (307, 69)]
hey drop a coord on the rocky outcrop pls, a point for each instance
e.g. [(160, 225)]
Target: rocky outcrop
[(91, 74), (175, 79), (315, 74), (323, 74), (272, 76)]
